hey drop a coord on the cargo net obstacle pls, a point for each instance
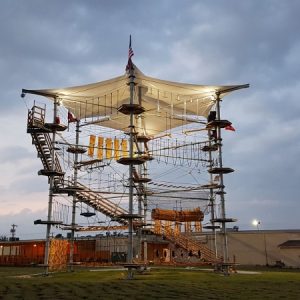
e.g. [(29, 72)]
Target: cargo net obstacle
[(58, 257)]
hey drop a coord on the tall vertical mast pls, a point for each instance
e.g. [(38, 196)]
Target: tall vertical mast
[(13, 231), (211, 195), (51, 187), (131, 109), (131, 133), (223, 213), (74, 196)]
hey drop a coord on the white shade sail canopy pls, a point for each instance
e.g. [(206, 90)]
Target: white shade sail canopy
[(162, 100)]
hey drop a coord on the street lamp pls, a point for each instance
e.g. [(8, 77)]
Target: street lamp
[(257, 223)]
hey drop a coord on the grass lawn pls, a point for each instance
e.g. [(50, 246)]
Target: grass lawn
[(159, 283)]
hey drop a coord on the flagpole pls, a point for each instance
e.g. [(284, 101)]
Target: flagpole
[(130, 223)]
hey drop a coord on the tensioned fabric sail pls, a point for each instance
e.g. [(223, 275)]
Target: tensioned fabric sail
[(162, 100)]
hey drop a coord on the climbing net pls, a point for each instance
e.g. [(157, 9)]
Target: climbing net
[(176, 173)]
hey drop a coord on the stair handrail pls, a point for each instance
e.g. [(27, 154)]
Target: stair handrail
[(188, 243), (97, 201)]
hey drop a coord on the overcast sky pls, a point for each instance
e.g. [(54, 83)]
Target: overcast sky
[(48, 44)]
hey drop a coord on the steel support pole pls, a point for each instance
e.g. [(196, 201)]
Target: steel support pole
[(266, 252), (139, 248), (211, 196), (222, 200), (51, 187), (131, 133), (73, 222)]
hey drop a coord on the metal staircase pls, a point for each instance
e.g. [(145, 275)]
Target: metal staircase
[(41, 139), (95, 200), (190, 244)]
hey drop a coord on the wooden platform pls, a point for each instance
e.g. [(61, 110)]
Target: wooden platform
[(50, 173), (142, 180), (207, 148), (79, 150), (54, 126), (143, 138), (225, 220), (41, 129), (130, 216), (211, 227), (127, 109), (130, 161), (218, 170), (40, 222), (218, 123)]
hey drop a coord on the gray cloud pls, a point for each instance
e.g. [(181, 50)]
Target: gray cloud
[(14, 154), (29, 185), (52, 44), (24, 221)]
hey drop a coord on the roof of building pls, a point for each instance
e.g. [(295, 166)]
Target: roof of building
[(290, 244)]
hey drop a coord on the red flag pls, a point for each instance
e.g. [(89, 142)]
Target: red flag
[(71, 117), (130, 54), (230, 127)]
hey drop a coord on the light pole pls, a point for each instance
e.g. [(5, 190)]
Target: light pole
[(257, 223)]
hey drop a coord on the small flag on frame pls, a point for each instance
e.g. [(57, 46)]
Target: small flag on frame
[(230, 127), (71, 117)]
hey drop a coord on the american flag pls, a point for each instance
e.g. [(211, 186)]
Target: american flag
[(130, 51), (130, 54), (71, 117)]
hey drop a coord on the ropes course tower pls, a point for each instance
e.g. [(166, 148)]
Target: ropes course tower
[(134, 152)]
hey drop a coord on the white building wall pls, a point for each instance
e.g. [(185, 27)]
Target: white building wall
[(261, 247)]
